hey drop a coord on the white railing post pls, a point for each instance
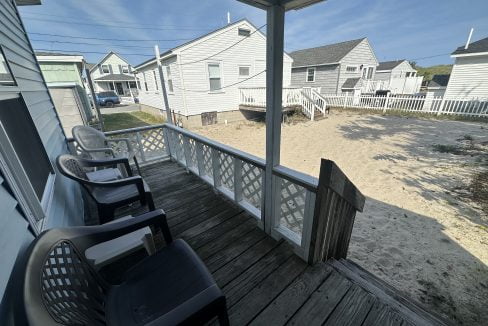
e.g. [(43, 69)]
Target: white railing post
[(441, 106), (141, 147), (167, 141), (186, 152), (200, 164), (237, 180), (215, 167), (385, 106)]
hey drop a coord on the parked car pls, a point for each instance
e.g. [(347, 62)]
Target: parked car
[(108, 99)]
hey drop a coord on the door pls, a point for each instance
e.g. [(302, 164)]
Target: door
[(120, 88)]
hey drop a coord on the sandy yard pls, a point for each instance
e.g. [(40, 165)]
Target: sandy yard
[(420, 230)]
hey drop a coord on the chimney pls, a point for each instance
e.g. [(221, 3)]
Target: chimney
[(469, 38), (228, 17)]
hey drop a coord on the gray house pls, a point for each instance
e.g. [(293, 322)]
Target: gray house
[(33, 196), (335, 68)]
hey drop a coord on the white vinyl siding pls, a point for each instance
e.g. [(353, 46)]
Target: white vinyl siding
[(469, 78), (325, 78)]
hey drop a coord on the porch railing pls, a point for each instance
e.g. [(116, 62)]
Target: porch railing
[(239, 176)]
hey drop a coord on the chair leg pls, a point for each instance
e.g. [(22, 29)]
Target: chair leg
[(136, 162), (224, 317), (150, 201)]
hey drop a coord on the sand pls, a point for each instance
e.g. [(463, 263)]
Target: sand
[(420, 231)]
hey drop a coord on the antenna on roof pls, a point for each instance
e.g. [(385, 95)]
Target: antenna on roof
[(469, 38), (228, 17)]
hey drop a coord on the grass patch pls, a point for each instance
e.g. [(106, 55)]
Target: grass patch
[(126, 120), (452, 149)]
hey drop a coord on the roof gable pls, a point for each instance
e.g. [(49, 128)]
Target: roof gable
[(389, 65), (106, 57), (473, 48), (322, 55)]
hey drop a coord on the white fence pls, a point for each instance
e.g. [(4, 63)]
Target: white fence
[(411, 103), (396, 85), (309, 99)]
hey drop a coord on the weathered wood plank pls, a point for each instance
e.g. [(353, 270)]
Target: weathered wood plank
[(291, 299), (381, 314), (322, 302), (353, 308), (260, 296), (185, 222)]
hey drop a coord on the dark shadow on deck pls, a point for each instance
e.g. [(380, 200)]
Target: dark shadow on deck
[(264, 281)]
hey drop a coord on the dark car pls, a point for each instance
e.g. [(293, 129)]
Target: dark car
[(108, 99)]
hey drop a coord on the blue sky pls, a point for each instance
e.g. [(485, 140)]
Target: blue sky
[(412, 29)]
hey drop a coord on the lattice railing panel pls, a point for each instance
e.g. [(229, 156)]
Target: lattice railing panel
[(226, 168), (252, 184), (152, 143), (292, 205), (207, 161)]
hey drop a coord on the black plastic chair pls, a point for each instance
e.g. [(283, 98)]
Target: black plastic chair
[(108, 194), (171, 287), (96, 145)]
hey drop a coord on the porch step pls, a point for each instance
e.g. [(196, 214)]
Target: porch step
[(319, 115), (395, 299)]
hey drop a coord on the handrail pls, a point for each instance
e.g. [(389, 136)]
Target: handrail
[(306, 181), (249, 158), (136, 129)]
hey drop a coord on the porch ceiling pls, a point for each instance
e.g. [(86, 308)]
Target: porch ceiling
[(288, 4)]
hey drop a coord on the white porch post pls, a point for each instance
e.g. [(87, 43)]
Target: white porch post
[(169, 118), (274, 89)]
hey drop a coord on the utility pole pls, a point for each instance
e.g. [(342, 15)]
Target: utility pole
[(169, 118), (94, 99)]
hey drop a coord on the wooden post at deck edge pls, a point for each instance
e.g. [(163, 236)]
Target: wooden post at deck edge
[(336, 204)]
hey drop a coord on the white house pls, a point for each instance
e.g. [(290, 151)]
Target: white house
[(334, 68), (113, 73), (469, 75), (399, 77), (204, 75)]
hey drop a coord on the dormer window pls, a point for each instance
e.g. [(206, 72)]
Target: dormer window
[(125, 69), (243, 32), (105, 69)]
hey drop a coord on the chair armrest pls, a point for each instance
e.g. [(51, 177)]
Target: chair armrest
[(100, 150), (125, 140), (109, 162), (85, 237)]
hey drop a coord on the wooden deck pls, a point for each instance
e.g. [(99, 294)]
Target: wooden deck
[(264, 281)]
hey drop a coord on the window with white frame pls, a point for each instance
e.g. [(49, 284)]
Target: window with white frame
[(6, 76), (24, 160), (155, 80), (169, 79), (145, 81), (244, 71), (105, 69), (125, 69), (310, 74), (214, 77), (351, 69)]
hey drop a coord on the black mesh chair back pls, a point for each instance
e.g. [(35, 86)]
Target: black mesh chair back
[(71, 167), (61, 286)]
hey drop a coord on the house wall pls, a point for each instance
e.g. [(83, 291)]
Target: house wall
[(400, 70), (382, 75), (61, 72), (469, 78), (362, 54), (66, 207), (189, 70), (325, 77), (114, 61)]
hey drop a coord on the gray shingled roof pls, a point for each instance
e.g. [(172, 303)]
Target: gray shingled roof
[(350, 83), (475, 47), (115, 77), (43, 53), (89, 66), (388, 65), (439, 81), (331, 53)]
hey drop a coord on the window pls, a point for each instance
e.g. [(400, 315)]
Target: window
[(105, 69), (145, 81), (112, 87), (132, 84), (367, 72), (25, 162), (214, 77), (243, 32), (125, 69), (351, 68), (155, 80), (139, 84), (169, 79), (370, 72), (310, 74), (244, 71), (6, 77)]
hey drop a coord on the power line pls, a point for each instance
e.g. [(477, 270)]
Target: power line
[(92, 52), (111, 20), (103, 44), (110, 39), (432, 56), (119, 26), (223, 87)]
